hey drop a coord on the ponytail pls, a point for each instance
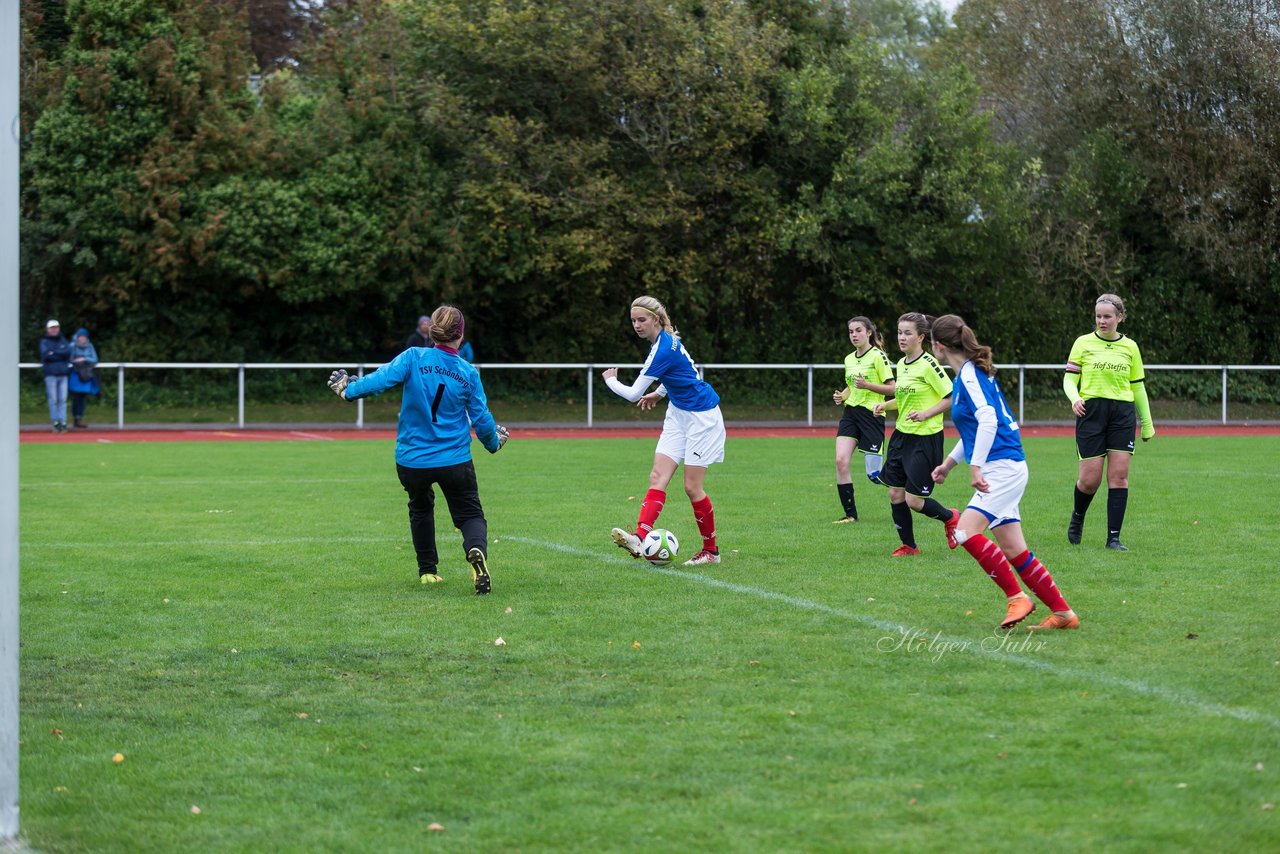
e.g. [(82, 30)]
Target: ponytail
[(952, 332)]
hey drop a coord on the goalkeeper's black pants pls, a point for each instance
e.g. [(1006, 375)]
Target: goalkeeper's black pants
[(458, 483)]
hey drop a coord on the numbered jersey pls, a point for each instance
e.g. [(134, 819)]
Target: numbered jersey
[(441, 401), (972, 392), (670, 364)]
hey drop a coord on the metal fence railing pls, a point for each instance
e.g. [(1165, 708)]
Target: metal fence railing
[(590, 370)]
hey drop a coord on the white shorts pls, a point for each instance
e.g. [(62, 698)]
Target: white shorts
[(1007, 480), (696, 438)]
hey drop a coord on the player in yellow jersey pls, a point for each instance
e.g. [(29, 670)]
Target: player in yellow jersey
[(921, 394), (868, 378), (1105, 384)]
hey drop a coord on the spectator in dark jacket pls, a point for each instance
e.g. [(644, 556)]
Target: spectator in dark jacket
[(421, 336), (55, 362), (84, 375)]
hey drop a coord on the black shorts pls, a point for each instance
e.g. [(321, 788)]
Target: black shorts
[(910, 462), (1107, 425), (862, 426)]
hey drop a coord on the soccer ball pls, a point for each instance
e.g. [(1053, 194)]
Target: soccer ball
[(659, 547)]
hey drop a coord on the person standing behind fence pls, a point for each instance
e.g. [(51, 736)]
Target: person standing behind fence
[(84, 376), (1105, 383), (421, 337), (442, 400), (55, 363), (692, 432), (869, 377)]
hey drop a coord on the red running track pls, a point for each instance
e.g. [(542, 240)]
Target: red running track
[(111, 435)]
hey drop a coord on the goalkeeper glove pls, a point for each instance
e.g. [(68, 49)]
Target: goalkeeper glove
[(338, 381), (503, 436)]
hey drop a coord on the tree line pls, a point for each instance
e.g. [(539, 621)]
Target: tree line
[(215, 179)]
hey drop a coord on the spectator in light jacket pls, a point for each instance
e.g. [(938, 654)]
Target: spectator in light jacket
[(84, 376)]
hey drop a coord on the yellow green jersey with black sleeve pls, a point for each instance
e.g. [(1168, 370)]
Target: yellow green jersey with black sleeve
[(921, 383), (1110, 368), (873, 366)]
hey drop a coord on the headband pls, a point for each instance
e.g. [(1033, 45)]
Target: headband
[(651, 311), (1111, 302)]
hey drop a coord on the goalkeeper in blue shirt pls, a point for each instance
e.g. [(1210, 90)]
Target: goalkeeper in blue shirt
[(442, 400)]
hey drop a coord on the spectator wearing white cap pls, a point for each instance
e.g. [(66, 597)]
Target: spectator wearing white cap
[(55, 362)]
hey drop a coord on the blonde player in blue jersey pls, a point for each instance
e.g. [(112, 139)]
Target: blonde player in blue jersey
[(868, 378), (991, 442), (442, 400), (692, 433)]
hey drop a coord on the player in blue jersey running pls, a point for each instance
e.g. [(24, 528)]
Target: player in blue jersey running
[(442, 399), (692, 433), (991, 442)]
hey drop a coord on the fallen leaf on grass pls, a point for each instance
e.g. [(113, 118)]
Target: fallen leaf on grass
[(1182, 785), (195, 810), (968, 613), (1268, 806), (118, 758), (753, 662), (791, 712), (1002, 755), (1192, 636), (499, 642), (435, 826), (911, 802), (508, 611), (1258, 767), (60, 789), (58, 733), (302, 716), (635, 644)]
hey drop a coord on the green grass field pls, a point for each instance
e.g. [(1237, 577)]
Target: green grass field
[(243, 622)]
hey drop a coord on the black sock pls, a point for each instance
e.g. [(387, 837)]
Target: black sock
[(846, 499), (1117, 500), (934, 510), (902, 521), (1083, 499)]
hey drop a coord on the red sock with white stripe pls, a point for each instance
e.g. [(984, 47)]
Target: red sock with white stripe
[(993, 563), (706, 522), (649, 510), (1032, 571)]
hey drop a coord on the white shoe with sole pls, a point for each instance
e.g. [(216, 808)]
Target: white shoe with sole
[(626, 540), (703, 558)]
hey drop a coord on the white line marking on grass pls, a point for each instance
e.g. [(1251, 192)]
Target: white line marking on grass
[(163, 544), (1136, 686)]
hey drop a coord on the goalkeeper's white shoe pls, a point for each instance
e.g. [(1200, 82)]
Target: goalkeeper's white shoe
[(626, 540), (702, 558)]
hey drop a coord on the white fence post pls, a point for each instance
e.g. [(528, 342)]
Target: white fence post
[(809, 412), (240, 397), (1022, 392), (590, 397), (1224, 394), (360, 401), (120, 396)]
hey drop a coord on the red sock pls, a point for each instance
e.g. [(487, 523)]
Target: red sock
[(649, 510), (706, 522), (1032, 571), (993, 563)]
